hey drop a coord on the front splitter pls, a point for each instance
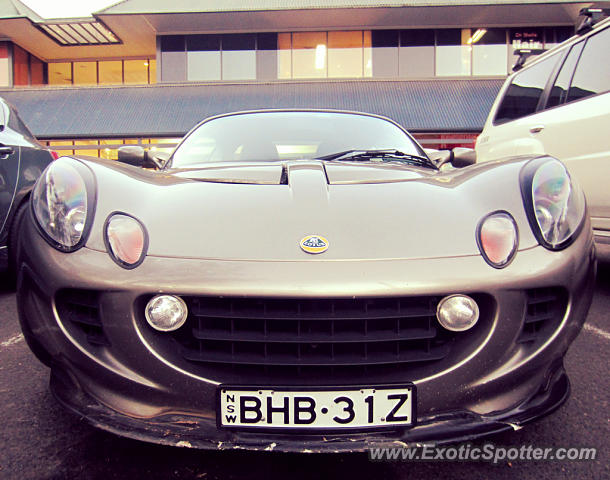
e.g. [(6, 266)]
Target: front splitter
[(202, 433)]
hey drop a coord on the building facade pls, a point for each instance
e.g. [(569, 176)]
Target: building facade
[(146, 71)]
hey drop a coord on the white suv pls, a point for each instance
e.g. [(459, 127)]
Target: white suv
[(559, 105)]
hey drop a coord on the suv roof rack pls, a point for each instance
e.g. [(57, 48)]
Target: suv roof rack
[(592, 16), (524, 54)]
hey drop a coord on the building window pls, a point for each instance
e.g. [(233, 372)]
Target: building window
[(527, 38), (203, 58), (108, 148), (489, 51), (239, 57), (88, 147), (416, 54), (106, 72), (27, 69), (309, 55), (556, 35), (267, 56), (453, 52), (173, 58), (284, 45), (21, 74), (346, 57), (136, 71), (409, 53), (110, 72), (37, 71), (60, 73), (4, 66), (336, 54), (62, 147), (385, 53), (85, 73)]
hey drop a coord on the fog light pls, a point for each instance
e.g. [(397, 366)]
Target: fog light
[(457, 313), (166, 313)]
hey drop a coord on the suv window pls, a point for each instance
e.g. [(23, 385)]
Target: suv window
[(559, 92), (525, 90), (592, 74)]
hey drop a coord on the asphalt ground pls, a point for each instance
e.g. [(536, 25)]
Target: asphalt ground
[(39, 440)]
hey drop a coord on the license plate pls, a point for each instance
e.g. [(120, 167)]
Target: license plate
[(328, 408)]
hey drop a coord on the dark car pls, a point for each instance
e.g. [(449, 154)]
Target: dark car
[(304, 281), (22, 160)]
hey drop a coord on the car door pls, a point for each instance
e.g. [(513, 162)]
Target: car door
[(9, 169)]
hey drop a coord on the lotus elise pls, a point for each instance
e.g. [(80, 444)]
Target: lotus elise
[(305, 280)]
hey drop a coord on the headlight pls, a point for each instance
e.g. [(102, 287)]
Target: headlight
[(497, 237), (63, 201), (555, 205), (126, 240)]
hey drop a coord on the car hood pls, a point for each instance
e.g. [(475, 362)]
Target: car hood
[(366, 211), (275, 173)]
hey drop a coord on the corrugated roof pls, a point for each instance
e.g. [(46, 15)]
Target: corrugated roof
[(189, 6), (171, 110)]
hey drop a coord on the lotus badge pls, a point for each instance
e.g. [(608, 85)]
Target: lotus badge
[(314, 244)]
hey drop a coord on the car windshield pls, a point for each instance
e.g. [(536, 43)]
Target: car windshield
[(280, 135)]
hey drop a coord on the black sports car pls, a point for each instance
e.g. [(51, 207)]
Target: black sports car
[(22, 160)]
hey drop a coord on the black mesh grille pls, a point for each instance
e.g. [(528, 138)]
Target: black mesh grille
[(545, 308), (313, 333), (80, 312)]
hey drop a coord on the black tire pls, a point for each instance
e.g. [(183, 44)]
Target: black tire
[(13, 243)]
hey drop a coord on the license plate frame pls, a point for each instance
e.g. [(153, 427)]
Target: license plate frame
[(319, 392)]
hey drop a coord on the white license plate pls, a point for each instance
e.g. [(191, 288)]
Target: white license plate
[(329, 408)]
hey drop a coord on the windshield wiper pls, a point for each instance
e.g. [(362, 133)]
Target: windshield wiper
[(385, 154)]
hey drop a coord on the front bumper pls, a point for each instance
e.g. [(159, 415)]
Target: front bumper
[(196, 432), (492, 383)]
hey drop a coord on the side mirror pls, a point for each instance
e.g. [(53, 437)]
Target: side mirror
[(138, 157), (463, 157), (459, 157)]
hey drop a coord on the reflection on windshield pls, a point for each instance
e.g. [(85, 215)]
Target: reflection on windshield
[(273, 136)]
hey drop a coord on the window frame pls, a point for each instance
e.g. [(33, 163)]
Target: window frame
[(550, 81)]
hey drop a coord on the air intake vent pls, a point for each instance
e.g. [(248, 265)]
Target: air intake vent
[(80, 312), (545, 308)]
